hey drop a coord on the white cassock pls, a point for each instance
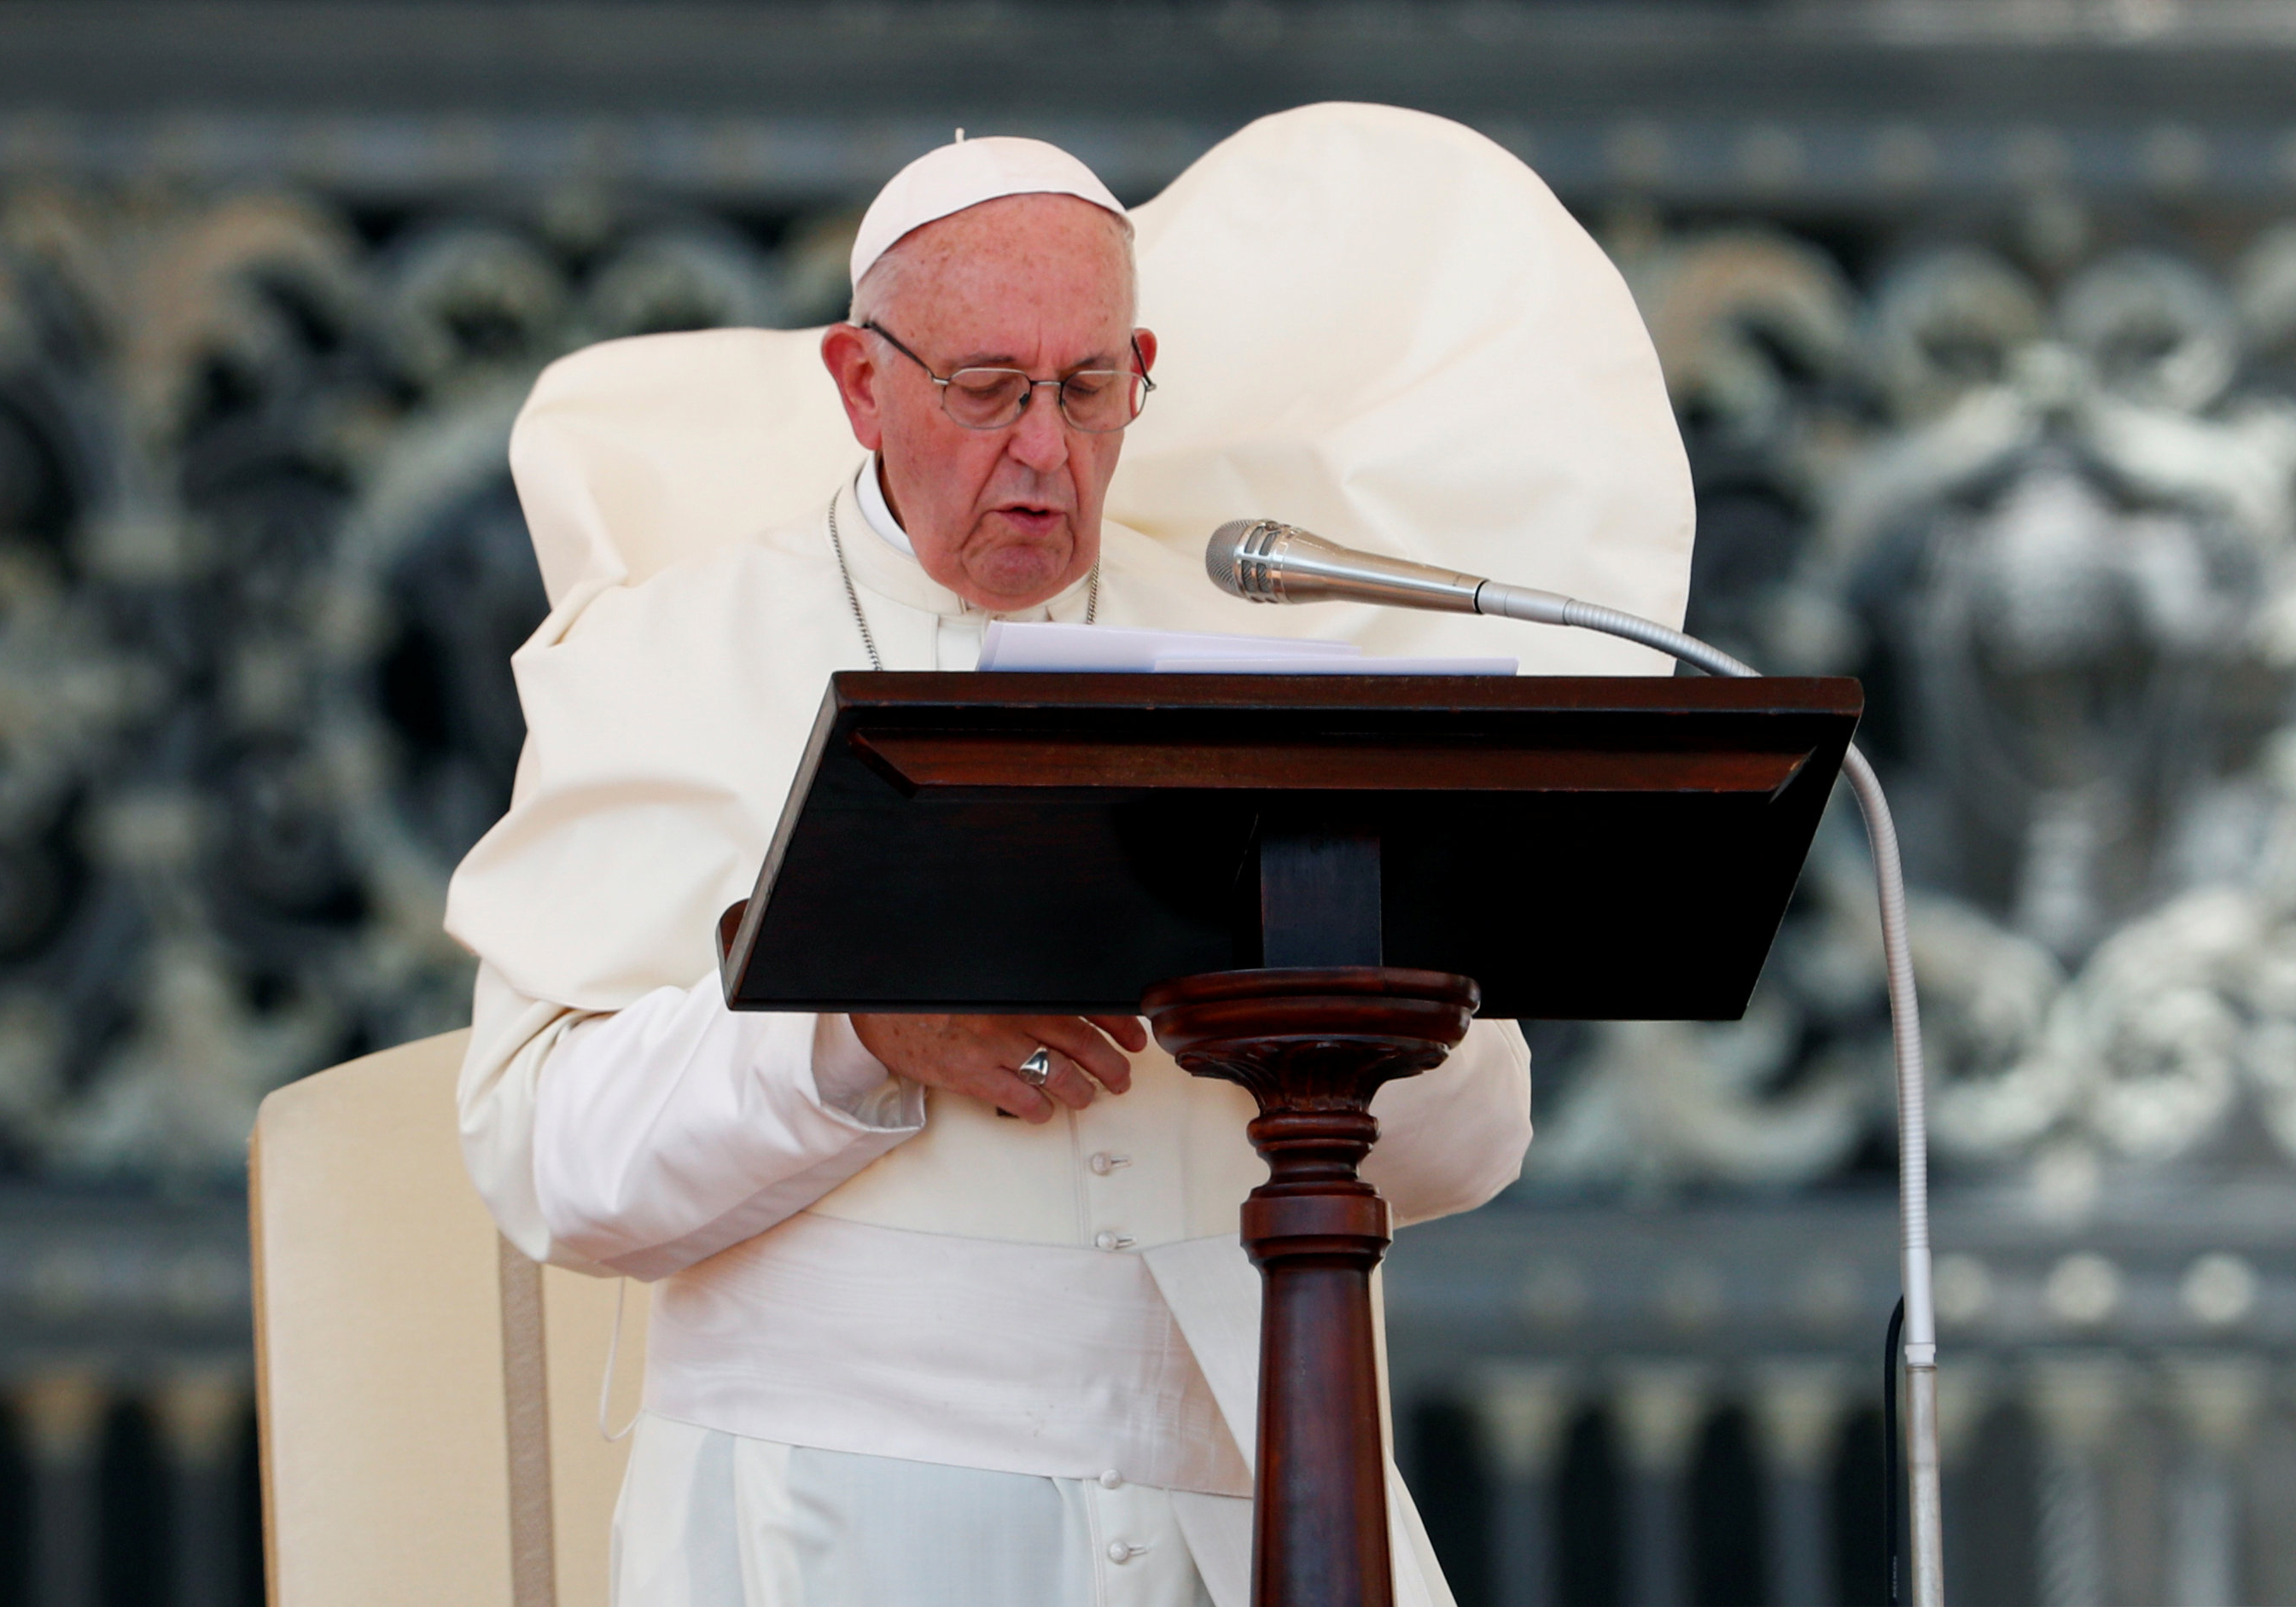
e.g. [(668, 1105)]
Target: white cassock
[(903, 1350)]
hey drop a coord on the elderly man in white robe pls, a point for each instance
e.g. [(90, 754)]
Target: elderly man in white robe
[(905, 1351)]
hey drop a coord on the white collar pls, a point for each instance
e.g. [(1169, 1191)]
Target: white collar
[(870, 491)]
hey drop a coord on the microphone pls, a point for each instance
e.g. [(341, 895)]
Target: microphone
[(1266, 561)]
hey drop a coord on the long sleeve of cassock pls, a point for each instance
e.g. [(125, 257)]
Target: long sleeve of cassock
[(642, 1140), (1451, 1139)]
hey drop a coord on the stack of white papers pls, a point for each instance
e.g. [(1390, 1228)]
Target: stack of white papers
[(1091, 647)]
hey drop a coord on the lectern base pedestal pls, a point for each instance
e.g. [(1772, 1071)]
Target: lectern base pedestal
[(1312, 1046)]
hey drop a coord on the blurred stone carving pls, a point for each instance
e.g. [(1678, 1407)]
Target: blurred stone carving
[(2052, 531), (261, 569)]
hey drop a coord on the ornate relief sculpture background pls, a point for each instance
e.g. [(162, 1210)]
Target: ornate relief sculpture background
[(2044, 509), (261, 567)]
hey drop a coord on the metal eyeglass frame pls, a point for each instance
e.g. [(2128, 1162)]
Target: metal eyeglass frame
[(1060, 385)]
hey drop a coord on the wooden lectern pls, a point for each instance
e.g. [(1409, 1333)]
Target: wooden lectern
[(1310, 885)]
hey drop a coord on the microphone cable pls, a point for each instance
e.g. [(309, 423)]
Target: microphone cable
[(1893, 1533)]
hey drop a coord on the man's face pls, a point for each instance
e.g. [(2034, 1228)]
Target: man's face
[(1004, 518)]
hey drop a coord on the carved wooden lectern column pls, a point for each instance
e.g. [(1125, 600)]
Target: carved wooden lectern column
[(1312, 1044)]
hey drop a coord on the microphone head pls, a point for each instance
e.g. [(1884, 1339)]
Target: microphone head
[(1223, 555), (1237, 558)]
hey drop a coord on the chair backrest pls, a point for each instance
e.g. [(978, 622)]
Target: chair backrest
[(428, 1396), (1375, 323)]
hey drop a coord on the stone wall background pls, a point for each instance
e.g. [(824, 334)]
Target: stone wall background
[(261, 567)]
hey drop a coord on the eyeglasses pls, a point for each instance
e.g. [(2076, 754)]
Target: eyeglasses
[(1095, 400)]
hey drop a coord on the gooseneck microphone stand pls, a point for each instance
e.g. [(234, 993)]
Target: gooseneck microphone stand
[(1266, 561)]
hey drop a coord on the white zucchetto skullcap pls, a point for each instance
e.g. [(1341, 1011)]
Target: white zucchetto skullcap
[(964, 174)]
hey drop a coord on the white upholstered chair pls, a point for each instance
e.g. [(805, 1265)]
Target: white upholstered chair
[(428, 1397)]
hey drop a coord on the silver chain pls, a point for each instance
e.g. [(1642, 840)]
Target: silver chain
[(853, 594), (837, 543)]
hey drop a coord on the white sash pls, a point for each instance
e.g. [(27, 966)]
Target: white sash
[(1019, 1358)]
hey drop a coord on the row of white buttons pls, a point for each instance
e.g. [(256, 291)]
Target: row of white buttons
[(1102, 1163), (1120, 1551)]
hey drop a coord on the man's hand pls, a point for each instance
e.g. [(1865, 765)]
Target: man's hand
[(976, 1055)]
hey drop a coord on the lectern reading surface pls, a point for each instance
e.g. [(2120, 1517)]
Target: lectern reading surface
[(1307, 883), (1585, 848)]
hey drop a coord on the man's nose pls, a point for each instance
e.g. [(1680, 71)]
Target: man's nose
[(1041, 438)]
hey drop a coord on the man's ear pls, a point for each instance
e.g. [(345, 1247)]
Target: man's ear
[(1146, 339), (846, 354)]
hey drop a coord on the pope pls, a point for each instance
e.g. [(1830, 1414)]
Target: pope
[(904, 1352)]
